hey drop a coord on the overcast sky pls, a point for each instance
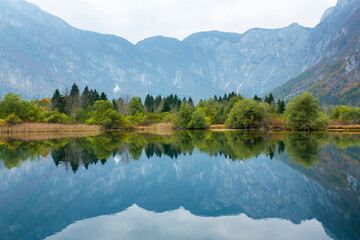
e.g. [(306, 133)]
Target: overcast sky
[(139, 19)]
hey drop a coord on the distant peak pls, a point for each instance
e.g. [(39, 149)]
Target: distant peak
[(295, 24), (327, 13)]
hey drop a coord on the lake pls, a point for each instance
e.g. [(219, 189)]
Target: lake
[(184, 185)]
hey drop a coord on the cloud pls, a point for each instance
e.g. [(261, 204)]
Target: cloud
[(139, 19)]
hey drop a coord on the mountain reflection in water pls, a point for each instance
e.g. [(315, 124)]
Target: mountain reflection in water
[(291, 178)]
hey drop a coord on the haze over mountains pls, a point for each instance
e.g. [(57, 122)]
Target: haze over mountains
[(40, 52)]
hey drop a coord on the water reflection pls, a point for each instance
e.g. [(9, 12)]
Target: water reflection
[(296, 177), (302, 148)]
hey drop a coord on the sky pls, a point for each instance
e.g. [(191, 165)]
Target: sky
[(136, 20)]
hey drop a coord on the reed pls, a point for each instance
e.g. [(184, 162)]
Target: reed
[(47, 128)]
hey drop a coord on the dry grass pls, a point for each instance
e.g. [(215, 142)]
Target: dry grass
[(340, 127), (47, 128), (157, 128), (46, 136)]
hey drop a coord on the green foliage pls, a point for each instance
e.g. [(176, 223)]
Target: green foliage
[(12, 119), (346, 114), (280, 109), (303, 148), (303, 114), (153, 118), (199, 120), (137, 118), (183, 116), (56, 117), (2, 122), (103, 114), (135, 106), (13, 104), (247, 114)]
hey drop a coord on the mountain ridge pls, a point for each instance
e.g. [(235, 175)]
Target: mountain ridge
[(48, 53)]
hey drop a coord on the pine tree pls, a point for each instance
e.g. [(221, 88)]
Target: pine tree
[(85, 98), (166, 107), (256, 98), (103, 96), (74, 92), (280, 107), (191, 102), (149, 103)]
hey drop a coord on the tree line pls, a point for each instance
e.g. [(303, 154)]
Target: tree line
[(302, 112)]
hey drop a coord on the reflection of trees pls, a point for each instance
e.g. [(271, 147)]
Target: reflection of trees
[(302, 148), (14, 152)]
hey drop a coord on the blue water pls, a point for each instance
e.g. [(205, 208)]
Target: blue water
[(163, 190)]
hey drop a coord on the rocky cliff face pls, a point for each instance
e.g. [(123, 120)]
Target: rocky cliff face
[(336, 43)]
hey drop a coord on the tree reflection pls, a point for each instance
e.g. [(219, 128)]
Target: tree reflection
[(302, 148)]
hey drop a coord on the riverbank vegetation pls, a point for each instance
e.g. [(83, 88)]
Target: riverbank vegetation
[(89, 108)]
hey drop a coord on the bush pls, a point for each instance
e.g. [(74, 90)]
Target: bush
[(152, 118), (103, 114), (2, 122), (137, 118), (247, 114), (199, 120), (183, 116), (12, 119), (56, 117), (346, 114), (303, 114)]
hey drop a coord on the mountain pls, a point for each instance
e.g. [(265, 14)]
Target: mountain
[(335, 79), (40, 52)]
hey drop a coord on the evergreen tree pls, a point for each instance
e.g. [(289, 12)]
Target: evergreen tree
[(280, 107), (149, 103), (103, 96), (74, 92), (191, 102), (256, 98), (166, 107), (58, 101), (114, 104), (85, 98)]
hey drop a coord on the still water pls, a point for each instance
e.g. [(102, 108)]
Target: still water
[(185, 185)]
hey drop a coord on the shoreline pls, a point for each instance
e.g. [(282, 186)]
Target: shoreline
[(160, 128)]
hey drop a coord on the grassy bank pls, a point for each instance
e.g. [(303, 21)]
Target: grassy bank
[(47, 128)]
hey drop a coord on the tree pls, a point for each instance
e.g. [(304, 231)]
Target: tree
[(199, 120), (247, 114), (135, 106), (13, 104), (303, 114), (103, 114), (103, 96), (280, 109), (191, 102), (269, 99), (149, 103), (183, 116), (74, 92), (256, 98), (85, 98), (166, 107), (123, 104)]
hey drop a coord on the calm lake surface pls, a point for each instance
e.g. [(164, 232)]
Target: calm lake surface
[(188, 185)]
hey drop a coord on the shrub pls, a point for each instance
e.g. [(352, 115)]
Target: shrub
[(12, 119), (303, 114), (199, 120), (247, 114), (183, 116)]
